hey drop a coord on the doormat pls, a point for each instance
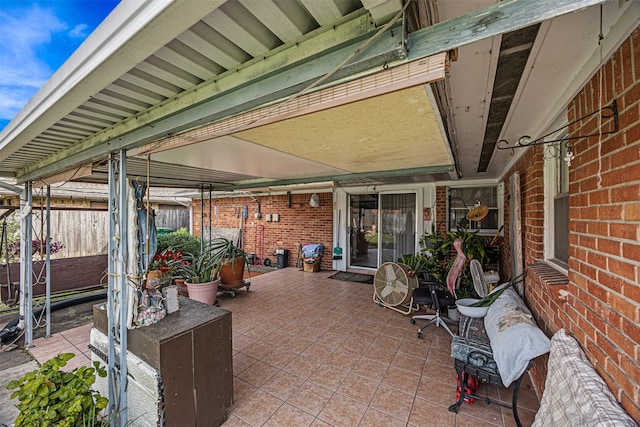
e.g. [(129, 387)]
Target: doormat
[(353, 277)]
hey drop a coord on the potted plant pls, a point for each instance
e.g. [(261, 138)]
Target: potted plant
[(232, 260), (201, 274)]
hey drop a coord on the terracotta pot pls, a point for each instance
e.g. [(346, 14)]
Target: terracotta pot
[(232, 275), (182, 287), (204, 292)]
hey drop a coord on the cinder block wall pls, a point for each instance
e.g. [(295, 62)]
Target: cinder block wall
[(602, 310), (299, 222)]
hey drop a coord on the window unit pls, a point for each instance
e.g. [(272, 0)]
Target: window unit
[(556, 183), (462, 199)]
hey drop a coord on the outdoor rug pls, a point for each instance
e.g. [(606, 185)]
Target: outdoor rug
[(353, 277)]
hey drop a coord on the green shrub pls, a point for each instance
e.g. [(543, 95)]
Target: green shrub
[(180, 239), (49, 396)]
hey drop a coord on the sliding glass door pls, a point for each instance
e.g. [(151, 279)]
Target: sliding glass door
[(382, 228)]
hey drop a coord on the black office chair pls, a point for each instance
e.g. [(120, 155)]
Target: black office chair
[(429, 295)]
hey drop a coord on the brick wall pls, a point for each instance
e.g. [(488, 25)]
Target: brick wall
[(299, 223), (602, 310)]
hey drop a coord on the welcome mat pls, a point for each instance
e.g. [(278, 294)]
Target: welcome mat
[(353, 277)]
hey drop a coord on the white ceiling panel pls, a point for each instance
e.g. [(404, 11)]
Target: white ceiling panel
[(231, 154)]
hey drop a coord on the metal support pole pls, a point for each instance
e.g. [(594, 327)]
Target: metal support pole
[(26, 263), (48, 262), (113, 374), (202, 219), (123, 251)]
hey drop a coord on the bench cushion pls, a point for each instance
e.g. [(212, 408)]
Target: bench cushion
[(515, 338), (574, 393)]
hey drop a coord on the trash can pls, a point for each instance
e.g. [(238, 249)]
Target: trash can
[(283, 258)]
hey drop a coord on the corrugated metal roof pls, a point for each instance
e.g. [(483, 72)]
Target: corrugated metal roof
[(225, 40)]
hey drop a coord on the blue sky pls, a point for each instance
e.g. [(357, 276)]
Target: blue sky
[(36, 37)]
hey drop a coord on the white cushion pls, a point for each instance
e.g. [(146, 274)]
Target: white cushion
[(514, 336)]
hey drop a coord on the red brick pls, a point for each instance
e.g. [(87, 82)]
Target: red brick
[(609, 281), (631, 251), (631, 329), (625, 307), (607, 246), (629, 116), (611, 212), (632, 212), (625, 231)]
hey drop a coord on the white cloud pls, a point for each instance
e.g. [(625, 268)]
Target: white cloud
[(79, 31), (22, 72)]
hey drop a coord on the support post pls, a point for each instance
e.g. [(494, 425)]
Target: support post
[(26, 263), (113, 373), (48, 262), (123, 251)]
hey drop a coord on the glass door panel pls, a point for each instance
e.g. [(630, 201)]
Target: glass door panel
[(363, 220), (398, 226), (382, 228)]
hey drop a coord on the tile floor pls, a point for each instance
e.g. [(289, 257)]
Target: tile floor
[(312, 351)]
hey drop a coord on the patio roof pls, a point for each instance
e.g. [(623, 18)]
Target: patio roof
[(242, 94)]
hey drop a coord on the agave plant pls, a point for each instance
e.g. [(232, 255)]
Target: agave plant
[(201, 268), (226, 251)]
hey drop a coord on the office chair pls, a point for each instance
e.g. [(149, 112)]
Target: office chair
[(429, 295)]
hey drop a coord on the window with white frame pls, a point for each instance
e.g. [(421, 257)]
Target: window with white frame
[(556, 179), (462, 199)]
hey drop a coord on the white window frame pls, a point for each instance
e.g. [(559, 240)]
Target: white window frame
[(500, 201), (551, 177)]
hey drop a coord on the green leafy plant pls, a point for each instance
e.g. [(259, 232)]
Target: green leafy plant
[(226, 251), (493, 296), (49, 396), (179, 240), (203, 267)]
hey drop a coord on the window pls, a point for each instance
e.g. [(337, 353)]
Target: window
[(463, 199), (556, 179)]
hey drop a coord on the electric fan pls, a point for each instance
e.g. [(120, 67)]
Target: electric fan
[(479, 282), (393, 286)]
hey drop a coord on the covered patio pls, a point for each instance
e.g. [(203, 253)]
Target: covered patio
[(313, 351), (357, 98)]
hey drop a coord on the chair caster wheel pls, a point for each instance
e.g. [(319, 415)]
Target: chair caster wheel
[(420, 335), (413, 321)]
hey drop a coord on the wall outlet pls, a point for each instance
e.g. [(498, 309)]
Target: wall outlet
[(275, 217), (267, 217)]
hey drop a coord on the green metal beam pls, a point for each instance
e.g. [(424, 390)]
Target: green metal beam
[(253, 183), (288, 70), (11, 188), (499, 18)]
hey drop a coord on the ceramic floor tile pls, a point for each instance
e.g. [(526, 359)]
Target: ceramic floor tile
[(279, 357), (342, 358), (328, 377), (341, 411), (257, 408), (289, 416), (241, 362), (401, 380), (373, 418), (358, 388), (310, 397), (241, 389), (282, 385), (392, 402), (258, 373), (370, 369), (302, 366), (427, 414)]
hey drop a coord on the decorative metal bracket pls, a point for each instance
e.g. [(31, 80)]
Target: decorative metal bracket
[(525, 141)]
